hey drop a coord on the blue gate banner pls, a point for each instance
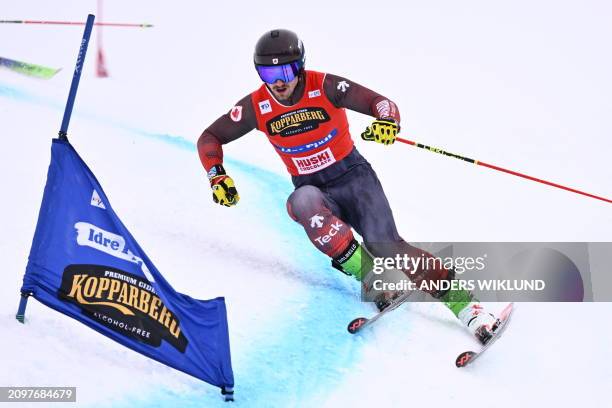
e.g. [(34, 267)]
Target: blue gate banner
[(86, 264)]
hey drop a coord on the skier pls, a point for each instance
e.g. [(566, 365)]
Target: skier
[(302, 113)]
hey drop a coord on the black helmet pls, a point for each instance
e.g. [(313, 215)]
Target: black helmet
[(278, 47)]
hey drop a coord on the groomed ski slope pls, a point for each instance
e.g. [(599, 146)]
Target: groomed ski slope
[(518, 86)]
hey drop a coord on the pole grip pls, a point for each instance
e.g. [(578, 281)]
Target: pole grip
[(63, 133)]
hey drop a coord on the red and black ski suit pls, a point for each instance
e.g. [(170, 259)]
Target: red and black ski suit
[(335, 186)]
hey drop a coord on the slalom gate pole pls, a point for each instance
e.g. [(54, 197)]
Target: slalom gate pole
[(63, 133), (23, 302), (491, 166), (228, 393), (136, 25), (101, 71)]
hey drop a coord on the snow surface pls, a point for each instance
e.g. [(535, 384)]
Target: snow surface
[(522, 84)]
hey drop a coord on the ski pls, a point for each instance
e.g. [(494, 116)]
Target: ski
[(33, 70), (468, 357), (358, 324)]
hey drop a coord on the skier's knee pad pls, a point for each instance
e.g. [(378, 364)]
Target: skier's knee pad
[(331, 235), (304, 202)]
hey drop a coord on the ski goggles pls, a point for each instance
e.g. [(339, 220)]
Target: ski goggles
[(272, 73)]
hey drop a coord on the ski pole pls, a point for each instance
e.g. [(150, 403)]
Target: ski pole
[(143, 25), (494, 167)]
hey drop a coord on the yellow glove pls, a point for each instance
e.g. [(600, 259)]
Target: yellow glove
[(382, 131), (223, 187)]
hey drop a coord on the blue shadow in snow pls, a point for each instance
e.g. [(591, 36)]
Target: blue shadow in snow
[(308, 351)]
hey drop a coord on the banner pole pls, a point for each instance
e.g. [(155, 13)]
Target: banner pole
[(228, 393), (63, 133), (23, 302)]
